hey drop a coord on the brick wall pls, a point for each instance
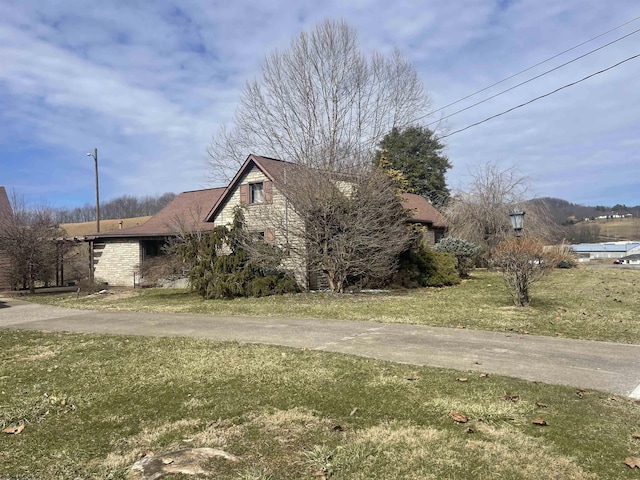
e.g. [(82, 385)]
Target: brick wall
[(116, 261)]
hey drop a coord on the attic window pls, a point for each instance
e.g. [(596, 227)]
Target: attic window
[(256, 193)]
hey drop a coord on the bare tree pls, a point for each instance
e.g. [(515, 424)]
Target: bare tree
[(28, 238), (346, 228), (522, 262), (481, 213), (324, 106), (321, 103)]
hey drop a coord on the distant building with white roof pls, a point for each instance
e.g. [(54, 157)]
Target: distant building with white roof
[(613, 250)]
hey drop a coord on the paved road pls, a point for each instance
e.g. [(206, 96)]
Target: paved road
[(584, 364)]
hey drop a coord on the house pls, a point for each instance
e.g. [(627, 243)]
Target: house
[(610, 250), (118, 255), (633, 259), (5, 213)]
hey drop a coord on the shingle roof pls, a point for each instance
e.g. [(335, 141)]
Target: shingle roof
[(188, 210), (422, 210)]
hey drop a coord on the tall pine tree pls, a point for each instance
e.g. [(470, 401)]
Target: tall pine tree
[(417, 153)]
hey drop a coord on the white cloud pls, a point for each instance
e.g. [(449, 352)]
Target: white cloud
[(147, 83)]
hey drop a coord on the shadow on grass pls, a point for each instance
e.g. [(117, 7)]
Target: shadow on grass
[(4, 304)]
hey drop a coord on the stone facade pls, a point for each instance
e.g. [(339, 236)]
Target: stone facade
[(117, 262), (275, 216)]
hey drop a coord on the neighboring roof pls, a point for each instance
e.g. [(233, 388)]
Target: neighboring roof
[(5, 205), (604, 247), (188, 210), (5, 214), (422, 211)]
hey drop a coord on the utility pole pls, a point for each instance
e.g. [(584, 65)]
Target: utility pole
[(95, 158)]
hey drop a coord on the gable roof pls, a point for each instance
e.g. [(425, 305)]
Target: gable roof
[(187, 210), (421, 210), (274, 170)]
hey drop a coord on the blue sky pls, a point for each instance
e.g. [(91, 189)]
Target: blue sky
[(147, 83)]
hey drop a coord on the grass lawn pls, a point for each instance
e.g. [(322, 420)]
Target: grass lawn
[(92, 405), (584, 303)]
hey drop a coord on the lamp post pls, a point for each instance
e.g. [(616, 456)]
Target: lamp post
[(517, 221), (95, 158)]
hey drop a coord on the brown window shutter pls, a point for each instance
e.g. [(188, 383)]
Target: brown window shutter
[(244, 194), (269, 235), (268, 192)]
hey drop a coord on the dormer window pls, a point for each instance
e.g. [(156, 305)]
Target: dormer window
[(256, 192)]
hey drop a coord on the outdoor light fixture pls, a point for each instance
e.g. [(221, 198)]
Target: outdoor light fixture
[(517, 221)]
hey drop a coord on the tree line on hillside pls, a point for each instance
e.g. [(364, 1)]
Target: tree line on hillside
[(566, 213), (125, 206)]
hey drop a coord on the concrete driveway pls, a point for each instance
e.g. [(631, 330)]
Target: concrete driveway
[(583, 364)]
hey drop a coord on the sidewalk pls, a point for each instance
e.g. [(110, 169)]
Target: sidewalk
[(584, 364)]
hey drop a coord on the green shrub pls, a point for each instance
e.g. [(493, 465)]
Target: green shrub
[(220, 267), (422, 266), (445, 272), (465, 252)]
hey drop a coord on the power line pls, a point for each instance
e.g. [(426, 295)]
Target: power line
[(538, 98), (536, 65), (532, 79)]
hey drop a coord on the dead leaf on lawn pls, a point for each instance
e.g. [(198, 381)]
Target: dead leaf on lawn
[(414, 376), (510, 397), (541, 405), (484, 375), (632, 462), (462, 379), (582, 393), (540, 421), (14, 430), (458, 417), (636, 436)]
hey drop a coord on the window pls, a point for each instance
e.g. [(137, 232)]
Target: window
[(258, 236), (256, 193)]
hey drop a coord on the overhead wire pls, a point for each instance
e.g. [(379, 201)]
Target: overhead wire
[(530, 80), (536, 65), (540, 97)]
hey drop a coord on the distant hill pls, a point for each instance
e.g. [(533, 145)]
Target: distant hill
[(564, 212), (581, 222)]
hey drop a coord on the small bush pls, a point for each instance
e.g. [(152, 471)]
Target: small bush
[(445, 272), (424, 267), (465, 252)]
